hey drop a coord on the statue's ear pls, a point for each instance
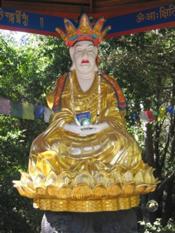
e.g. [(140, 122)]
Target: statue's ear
[(71, 52)]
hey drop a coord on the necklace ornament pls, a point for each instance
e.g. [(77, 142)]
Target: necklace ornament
[(84, 118)]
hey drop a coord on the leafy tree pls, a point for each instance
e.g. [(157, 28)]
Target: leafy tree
[(145, 67)]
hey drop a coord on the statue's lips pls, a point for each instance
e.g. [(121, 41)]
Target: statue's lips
[(85, 62)]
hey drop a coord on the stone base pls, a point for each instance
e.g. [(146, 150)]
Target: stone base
[(123, 221)]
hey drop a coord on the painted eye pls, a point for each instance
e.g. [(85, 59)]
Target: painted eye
[(78, 48), (90, 48)]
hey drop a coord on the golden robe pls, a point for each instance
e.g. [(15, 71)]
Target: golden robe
[(99, 172)]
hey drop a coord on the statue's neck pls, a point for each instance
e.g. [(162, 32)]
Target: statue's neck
[(85, 81)]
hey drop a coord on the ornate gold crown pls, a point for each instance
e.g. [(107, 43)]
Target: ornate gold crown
[(84, 32)]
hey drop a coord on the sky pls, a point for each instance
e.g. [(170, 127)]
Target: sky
[(17, 36)]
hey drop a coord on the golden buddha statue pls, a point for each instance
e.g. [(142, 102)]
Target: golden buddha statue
[(85, 161)]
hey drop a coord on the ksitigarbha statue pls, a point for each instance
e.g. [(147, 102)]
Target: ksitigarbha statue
[(85, 161)]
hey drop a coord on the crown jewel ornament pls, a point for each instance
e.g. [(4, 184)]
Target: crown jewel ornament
[(85, 31)]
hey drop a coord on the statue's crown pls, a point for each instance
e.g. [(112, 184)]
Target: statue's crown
[(85, 31)]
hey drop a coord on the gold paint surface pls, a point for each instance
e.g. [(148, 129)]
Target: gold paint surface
[(100, 172), (87, 205)]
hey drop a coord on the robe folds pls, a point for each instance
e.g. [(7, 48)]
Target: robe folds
[(99, 172)]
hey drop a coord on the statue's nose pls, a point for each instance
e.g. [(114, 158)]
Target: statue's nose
[(85, 53)]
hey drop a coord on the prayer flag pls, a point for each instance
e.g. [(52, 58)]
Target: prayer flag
[(5, 106)]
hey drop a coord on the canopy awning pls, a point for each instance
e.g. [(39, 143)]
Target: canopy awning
[(124, 16), (74, 8)]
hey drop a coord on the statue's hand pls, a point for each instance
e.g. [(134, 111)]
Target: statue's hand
[(86, 130), (74, 128), (101, 126)]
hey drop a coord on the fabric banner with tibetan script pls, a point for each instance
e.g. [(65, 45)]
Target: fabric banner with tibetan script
[(125, 23)]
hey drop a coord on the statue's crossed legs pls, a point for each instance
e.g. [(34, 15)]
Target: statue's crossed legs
[(103, 222)]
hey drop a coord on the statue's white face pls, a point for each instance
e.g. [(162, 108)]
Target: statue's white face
[(83, 55)]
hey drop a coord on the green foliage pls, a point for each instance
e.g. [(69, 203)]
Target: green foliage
[(20, 71), (156, 226), (27, 72), (16, 213), (144, 67)]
